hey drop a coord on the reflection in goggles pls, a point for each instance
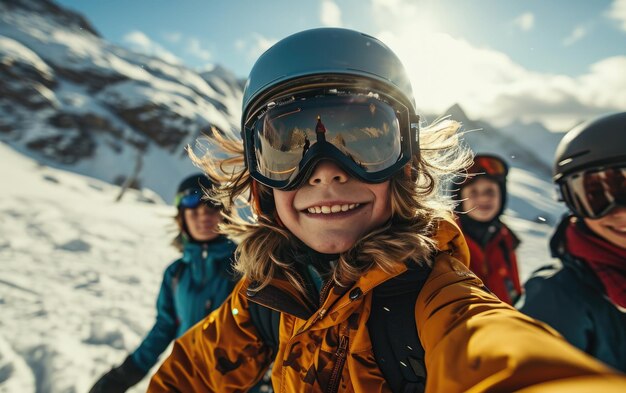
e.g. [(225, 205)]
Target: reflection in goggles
[(191, 199), (364, 129), (488, 165), (595, 193)]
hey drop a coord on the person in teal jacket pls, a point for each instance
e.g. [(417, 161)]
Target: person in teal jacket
[(192, 286)]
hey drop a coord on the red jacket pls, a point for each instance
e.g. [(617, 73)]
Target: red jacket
[(496, 264)]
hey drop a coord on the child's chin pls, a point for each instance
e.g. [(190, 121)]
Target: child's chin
[(331, 248)]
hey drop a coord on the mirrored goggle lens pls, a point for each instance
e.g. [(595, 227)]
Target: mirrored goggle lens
[(594, 194), (191, 199), (363, 128), (488, 165)]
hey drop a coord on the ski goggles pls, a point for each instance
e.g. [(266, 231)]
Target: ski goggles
[(369, 135), (594, 193), (489, 165), (191, 199)]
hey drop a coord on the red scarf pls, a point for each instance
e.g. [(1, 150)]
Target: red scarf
[(607, 261)]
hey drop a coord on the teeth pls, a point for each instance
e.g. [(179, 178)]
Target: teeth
[(332, 209)]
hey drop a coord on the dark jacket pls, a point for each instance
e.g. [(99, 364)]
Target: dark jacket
[(192, 287), (569, 296)]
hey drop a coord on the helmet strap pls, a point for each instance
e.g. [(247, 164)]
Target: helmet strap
[(255, 198), (407, 171)]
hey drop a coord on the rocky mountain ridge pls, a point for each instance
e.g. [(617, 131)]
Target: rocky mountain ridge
[(75, 101), (72, 100)]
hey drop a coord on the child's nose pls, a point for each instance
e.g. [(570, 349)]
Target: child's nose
[(327, 172)]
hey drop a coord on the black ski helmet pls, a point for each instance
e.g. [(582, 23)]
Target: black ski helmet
[(593, 144), (321, 57), (198, 181)]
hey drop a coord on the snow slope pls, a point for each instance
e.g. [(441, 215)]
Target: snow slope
[(79, 274)]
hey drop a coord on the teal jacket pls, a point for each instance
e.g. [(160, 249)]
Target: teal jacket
[(192, 287)]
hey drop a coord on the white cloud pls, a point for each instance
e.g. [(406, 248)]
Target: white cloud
[(576, 34), (330, 14), (617, 11), (487, 83), (140, 42), (525, 21), (173, 37), (254, 46), (194, 48), (191, 46)]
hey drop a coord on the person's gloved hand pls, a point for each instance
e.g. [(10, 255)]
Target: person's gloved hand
[(119, 379)]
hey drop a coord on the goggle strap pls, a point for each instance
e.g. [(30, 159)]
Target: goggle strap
[(414, 128)]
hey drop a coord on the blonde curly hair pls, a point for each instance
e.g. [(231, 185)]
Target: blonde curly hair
[(418, 201)]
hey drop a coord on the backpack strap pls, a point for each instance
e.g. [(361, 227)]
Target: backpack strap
[(391, 325), (266, 321), (393, 331)]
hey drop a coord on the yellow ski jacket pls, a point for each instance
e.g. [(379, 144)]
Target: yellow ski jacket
[(473, 342)]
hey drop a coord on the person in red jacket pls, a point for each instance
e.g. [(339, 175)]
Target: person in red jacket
[(492, 244)]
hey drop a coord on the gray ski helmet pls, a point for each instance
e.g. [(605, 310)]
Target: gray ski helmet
[(323, 55), (592, 144)]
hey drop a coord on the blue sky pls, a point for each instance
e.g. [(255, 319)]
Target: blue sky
[(492, 56)]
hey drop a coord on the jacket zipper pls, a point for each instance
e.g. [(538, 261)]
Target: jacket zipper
[(325, 290), (340, 356), (323, 294)]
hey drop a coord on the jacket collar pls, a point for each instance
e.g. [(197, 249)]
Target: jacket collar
[(218, 248), (280, 295)]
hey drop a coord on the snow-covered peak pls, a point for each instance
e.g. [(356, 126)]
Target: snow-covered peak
[(73, 100)]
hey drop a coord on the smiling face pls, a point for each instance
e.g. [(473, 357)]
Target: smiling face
[(481, 199), (202, 222), (611, 227), (331, 211)]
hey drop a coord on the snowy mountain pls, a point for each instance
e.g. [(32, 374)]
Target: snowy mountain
[(72, 100), (482, 137), (529, 151), (536, 138)]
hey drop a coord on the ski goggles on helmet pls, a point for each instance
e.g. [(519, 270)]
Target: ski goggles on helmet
[(191, 199), (370, 136), (489, 165), (594, 193)]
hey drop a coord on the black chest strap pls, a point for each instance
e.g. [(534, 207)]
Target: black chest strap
[(393, 331), (391, 325)]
